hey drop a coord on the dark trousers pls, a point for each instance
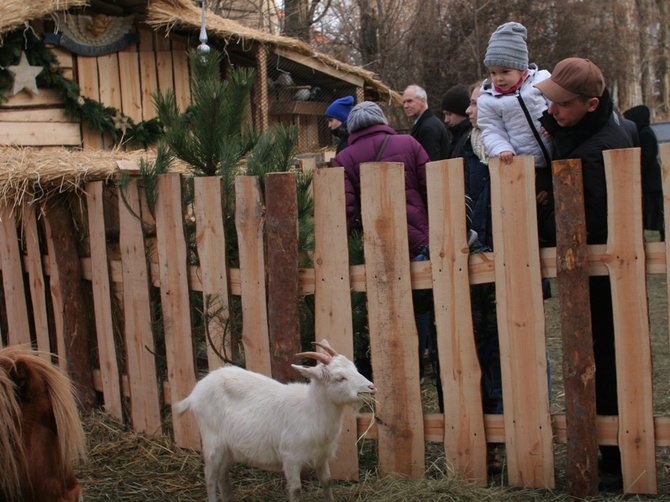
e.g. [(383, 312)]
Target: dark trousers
[(602, 326)]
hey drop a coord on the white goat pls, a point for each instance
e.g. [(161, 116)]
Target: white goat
[(245, 417)]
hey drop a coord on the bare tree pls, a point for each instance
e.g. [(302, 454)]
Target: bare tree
[(301, 15)]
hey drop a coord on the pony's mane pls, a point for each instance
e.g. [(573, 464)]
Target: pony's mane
[(71, 438), (11, 447)]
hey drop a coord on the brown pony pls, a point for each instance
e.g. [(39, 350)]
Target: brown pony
[(40, 430)]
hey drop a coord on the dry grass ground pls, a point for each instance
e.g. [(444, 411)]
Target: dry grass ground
[(124, 466)]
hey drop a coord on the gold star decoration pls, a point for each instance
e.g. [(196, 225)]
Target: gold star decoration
[(24, 76), (121, 122)]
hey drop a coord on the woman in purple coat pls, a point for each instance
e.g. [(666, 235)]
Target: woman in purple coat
[(368, 128)]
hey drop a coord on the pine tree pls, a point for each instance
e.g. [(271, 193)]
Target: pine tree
[(214, 138)]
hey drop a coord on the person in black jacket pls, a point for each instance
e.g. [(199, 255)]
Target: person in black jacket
[(455, 102), (582, 122), (652, 182), (428, 130)]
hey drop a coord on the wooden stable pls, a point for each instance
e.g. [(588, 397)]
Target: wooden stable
[(144, 371), (153, 59)]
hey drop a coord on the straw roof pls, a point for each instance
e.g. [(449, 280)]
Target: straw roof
[(184, 14), (31, 174), (13, 13)]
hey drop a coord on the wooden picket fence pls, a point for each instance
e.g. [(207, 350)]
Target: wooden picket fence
[(125, 275)]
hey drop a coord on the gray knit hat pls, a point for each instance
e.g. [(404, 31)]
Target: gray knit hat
[(364, 115), (507, 47)]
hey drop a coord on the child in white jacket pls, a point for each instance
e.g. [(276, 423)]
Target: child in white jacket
[(509, 105)]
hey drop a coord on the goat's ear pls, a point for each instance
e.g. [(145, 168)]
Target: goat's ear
[(308, 371)]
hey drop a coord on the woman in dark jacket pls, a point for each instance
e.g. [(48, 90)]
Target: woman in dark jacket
[(652, 182), (367, 130)]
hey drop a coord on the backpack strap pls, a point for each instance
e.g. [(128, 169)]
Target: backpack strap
[(545, 153), (381, 149)]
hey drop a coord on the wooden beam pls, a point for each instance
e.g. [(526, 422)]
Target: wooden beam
[(317, 65)]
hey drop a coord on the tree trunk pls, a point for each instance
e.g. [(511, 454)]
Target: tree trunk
[(296, 23), (369, 38), (662, 61)]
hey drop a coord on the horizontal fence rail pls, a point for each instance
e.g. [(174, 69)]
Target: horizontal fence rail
[(159, 301)]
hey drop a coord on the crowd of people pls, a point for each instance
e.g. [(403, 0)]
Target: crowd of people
[(518, 109)]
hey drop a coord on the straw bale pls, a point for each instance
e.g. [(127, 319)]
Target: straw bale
[(14, 13), (171, 14)]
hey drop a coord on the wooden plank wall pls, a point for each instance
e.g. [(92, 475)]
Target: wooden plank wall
[(39, 120), (126, 80), (158, 369)]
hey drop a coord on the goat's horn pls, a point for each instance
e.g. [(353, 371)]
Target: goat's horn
[(319, 356), (327, 349)]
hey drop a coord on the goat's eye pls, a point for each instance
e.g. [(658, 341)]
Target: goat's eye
[(341, 378)]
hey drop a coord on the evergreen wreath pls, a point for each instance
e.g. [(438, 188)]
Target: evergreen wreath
[(104, 119)]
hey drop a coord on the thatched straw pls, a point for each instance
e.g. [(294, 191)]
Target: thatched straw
[(14, 13), (169, 14), (29, 175)]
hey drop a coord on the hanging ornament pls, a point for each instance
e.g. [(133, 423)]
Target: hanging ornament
[(24, 76), (203, 48)]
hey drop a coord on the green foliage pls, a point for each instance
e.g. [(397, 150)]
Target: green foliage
[(209, 136)]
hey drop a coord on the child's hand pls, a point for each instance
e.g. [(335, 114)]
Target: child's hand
[(506, 157), (545, 133)]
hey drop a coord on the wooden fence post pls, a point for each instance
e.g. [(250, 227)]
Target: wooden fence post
[(281, 230), (250, 222), (175, 303), (464, 433), (626, 265), (394, 341), (72, 312), (332, 296), (572, 269), (212, 251), (520, 313)]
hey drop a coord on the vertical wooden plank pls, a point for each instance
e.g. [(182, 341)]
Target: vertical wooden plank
[(281, 230), (393, 335), (164, 71), (181, 79), (575, 315), (249, 221), (149, 83), (71, 310), (626, 265), (12, 279), (464, 432), (664, 150), (140, 348), (87, 75), (520, 313), (100, 282), (175, 302), (37, 284), (212, 250), (332, 296), (110, 87), (131, 94)]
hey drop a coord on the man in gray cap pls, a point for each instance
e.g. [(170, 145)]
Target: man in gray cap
[(582, 122)]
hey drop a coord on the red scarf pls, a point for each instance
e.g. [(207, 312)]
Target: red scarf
[(515, 87)]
